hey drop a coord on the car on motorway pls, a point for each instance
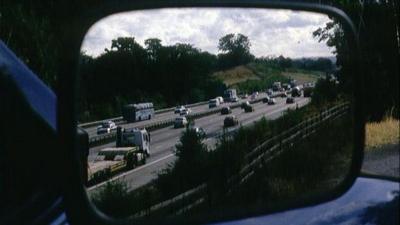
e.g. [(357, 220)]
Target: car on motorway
[(185, 112), (220, 99), (212, 103), (179, 109), (230, 121), (180, 122), (266, 99), (296, 92), (226, 110), (248, 108), (289, 100), (244, 104), (271, 101), (106, 127), (200, 132), (235, 99)]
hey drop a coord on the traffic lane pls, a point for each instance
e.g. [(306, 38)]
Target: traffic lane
[(139, 177), (92, 131), (144, 174), (259, 108), (164, 134), (161, 135), (169, 136), (272, 115)]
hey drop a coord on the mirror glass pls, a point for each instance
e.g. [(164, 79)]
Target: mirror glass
[(200, 114)]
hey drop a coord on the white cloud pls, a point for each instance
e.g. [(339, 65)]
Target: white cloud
[(271, 32)]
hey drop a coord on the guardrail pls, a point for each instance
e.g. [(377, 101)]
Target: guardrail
[(263, 153)]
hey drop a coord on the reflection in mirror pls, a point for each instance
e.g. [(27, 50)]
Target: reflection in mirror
[(214, 111)]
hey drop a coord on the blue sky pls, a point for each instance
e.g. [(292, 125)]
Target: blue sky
[(271, 32)]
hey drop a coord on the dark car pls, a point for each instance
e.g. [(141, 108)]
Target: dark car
[(244, 104), (200, 132), (249, 108), (226, 110), (230, 121), (266, 99), (290, 100)]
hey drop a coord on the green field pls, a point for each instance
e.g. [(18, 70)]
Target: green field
[(258, 76)]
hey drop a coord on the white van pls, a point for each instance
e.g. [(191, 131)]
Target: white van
[(213, 103), (220, 99)]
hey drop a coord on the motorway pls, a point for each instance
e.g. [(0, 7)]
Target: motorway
[(92, 131), (164, 140)]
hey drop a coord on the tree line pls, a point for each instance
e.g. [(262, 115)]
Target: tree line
[(167, 75), (30, 30)]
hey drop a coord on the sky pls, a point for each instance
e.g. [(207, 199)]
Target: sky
[(271, 32)]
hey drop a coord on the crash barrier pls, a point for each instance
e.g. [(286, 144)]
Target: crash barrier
[(263, 153)]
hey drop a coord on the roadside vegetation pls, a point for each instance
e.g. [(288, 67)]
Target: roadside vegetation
[(385, 132), (306, 168)]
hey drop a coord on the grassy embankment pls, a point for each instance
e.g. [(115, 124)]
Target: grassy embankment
[(379, 134), (258, 76)]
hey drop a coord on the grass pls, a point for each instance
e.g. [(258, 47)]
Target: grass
[(382, 133), (256, 72), (236, 75), (303, 76)]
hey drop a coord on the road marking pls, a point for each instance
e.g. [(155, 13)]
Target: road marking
[(130, 171)]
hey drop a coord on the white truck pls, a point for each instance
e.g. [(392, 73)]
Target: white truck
[(134, 137), (230, 95), (276, 86), (212, 103), (110, 161), (138, 112)]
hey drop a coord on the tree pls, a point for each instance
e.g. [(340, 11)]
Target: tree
[(378, 35), (191, 162), (153, 47), (235, 50)]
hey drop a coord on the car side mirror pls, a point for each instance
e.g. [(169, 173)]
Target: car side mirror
[(303, 146)]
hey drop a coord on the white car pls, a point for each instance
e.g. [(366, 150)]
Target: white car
[(106, 127), (180, 122), (185, 112), (271, 101), (179, 109), (220, 99)]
